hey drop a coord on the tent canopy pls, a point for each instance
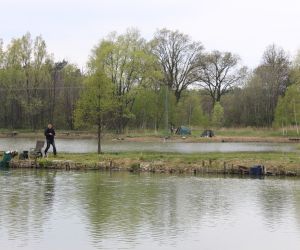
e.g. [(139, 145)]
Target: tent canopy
[(182, 130), (207, 133)]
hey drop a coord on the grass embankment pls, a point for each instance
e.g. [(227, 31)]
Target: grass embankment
[(275, 163)]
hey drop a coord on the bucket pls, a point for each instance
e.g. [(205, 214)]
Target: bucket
[(256, 170)]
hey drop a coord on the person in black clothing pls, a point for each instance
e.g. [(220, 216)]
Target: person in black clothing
[(50, 133)]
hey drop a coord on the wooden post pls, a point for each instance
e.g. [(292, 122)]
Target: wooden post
[(209, 164), (110, 166)]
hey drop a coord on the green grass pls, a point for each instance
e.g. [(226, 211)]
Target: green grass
[(291, 159)]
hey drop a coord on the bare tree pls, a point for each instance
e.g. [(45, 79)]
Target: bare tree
[(177, 55), (218, 72), (275, 69), (273, 74)]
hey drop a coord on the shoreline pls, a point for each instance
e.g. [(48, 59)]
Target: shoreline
[(155, 138), (275, 164)]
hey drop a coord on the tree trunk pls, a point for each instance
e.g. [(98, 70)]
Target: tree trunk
[(99, 138), (177, 96), (167, 111)]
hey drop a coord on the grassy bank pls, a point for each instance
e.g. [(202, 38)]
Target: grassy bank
[(275, 163)]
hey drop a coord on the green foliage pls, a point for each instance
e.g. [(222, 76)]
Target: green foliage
[(128, 63), (217, 115), (68, 96), (189, 111), (125, 86), (135, 167), (287, 111), (95, 102), (33, 87), (288, 108), (45, 163), (148, 108)]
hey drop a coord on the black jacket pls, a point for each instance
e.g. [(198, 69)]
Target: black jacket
[(47, 133)]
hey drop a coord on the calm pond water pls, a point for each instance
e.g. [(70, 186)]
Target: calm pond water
[(90, 145), (47, 210)]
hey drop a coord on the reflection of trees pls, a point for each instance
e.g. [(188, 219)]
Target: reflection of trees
[(126, 205), (274, 198), (26, 202), (296, 201), (121, 201)]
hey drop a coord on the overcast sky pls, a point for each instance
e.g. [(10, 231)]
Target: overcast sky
[(72, 28)]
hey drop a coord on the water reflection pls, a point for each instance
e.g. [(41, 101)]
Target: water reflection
[(96, 210), (274, 197), (25, 203)]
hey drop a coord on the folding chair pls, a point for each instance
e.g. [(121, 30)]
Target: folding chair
[(37, 151)]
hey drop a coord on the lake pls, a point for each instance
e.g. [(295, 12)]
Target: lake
[(90, 145), (52, 210)]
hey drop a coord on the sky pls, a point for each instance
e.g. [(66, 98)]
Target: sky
[(71, 28)]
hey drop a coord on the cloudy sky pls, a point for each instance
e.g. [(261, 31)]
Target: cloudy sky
[(72, 27)]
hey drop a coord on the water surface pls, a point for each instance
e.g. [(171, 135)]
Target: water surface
[(50, 210), (90, 145)]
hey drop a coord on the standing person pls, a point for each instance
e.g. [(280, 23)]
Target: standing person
[(50, 133)]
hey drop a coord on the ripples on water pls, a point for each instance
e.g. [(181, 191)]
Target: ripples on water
[(96, 210)]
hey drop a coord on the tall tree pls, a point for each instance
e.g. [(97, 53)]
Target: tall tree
[(178, 57), (95, 102), (72, 85), (37, 77), (273, 79), (14, 80), (275, 69), (288, 108), (127, 62), (218, 72)]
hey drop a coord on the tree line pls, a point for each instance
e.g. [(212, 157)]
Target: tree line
[(132, 83)]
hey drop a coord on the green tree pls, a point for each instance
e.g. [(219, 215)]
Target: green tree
[(128, 63), (95, 103), (189, 111), (23, 80), (67, 93), (288, 108)]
